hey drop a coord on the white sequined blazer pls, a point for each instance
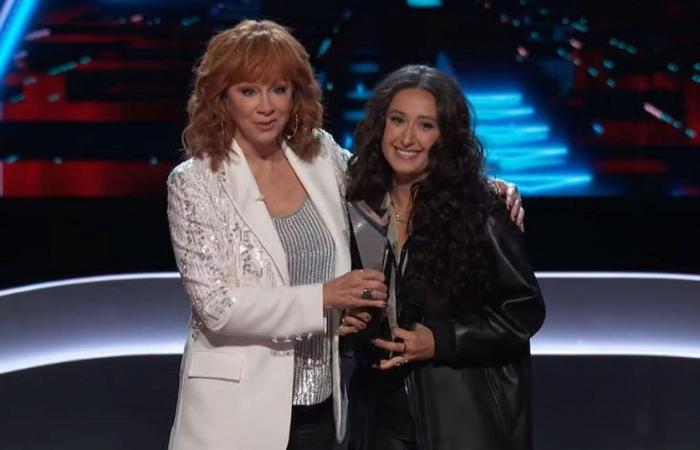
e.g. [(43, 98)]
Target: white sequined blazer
[(237, 369)]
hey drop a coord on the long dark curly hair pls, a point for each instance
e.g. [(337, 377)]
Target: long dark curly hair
[(451, 204)]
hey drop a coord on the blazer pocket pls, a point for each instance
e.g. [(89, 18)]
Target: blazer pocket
[(216, 365)]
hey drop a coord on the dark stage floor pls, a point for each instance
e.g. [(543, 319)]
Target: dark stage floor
[(581, 403)]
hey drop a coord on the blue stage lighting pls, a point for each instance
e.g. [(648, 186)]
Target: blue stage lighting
[(442, 62), (504, 99), (187, 21), (529, 150), (359, 93), (424, 3), (496, 135), (62, 68), (492, 113), (578, 26), (364, 67), (519, 158), (15, 16), (523, 163), (549, 183), (325, 45), (354, 115)]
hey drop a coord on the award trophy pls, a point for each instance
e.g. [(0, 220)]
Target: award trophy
[(372, 249)]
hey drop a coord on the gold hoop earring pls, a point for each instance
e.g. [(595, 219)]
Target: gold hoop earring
[(296, 126)]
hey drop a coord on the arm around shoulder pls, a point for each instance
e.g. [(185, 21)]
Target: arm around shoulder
[(338, 155)]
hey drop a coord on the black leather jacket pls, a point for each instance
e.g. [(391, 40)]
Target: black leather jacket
[(475, 393)]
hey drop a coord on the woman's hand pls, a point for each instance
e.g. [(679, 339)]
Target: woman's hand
[(354, 320), (356, 289), (514, 201), (417, 345)]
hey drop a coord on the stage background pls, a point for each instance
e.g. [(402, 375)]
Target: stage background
[(593, 110)]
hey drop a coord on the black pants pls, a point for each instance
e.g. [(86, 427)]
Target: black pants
[(380, 417), (312, 427), (393, 427)]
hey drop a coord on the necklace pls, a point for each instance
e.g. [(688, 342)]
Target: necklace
[(397, 216), (399, 219)]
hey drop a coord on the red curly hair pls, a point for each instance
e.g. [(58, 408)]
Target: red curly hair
[(252, 51)]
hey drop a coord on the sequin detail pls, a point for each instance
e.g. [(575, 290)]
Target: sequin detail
[(213, 248), (310, 258)]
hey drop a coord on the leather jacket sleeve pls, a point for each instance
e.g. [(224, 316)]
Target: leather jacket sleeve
[(508, 318)]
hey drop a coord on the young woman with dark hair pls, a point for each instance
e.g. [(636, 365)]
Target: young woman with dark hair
[(463, 298)]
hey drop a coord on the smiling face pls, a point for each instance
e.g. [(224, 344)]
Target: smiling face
[(410, 130), (260, 111)]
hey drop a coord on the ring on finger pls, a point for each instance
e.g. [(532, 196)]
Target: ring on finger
[(366, 294)]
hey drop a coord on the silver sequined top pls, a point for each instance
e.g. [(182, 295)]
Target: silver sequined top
[(310, 257)]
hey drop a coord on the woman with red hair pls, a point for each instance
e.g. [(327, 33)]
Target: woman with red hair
[(259, 233)]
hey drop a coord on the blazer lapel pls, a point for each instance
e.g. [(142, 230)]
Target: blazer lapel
[(241, 186)]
